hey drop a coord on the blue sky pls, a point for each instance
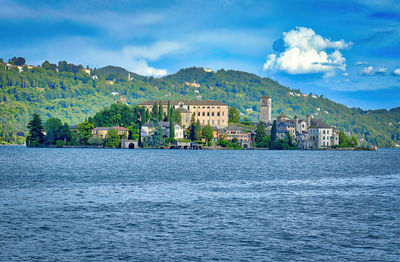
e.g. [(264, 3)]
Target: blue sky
[(347, 50)]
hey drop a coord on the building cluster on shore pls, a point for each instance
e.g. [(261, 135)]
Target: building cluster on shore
[(306, 133)]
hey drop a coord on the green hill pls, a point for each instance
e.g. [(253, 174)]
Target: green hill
[(72, 95)]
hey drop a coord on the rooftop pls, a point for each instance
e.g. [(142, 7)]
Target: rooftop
[(318, 124), (185, 102)]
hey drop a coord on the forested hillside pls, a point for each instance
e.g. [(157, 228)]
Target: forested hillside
[(67, 92)]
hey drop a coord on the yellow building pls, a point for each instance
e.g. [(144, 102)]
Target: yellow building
[(208, 112), (102, 131)]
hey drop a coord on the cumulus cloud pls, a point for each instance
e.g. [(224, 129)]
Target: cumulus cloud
[(370, 71), (307, 52), (396, 72), (381, 70), (367, 71), (134, 58)]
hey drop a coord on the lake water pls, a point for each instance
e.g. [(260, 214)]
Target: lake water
[(183, 205)]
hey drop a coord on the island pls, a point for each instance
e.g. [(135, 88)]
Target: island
[(187, 124)]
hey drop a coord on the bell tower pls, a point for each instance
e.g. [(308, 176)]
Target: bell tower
[(265, 109)]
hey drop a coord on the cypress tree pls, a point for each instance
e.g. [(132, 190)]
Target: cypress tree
[(160, 112), (273, 132), (35, 127), (171, 128), (155, 113), (197, 131), (169, 111)]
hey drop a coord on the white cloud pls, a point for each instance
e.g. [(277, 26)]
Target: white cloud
[(381, 70), (307, 52), (396, 72), (152, 52), (346, 74), (361, 63), (86, 52), (370, 71), (134, 58)]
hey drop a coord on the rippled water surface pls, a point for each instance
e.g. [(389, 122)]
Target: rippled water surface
[(176, 205)]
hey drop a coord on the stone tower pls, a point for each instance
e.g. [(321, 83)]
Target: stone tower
[(265, 109)]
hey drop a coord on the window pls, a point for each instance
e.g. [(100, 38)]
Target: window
[(212, 114), (223, 113), (198, 113), (208, 113), (217, 113), (204, 114), (327, 131), (323, 132)]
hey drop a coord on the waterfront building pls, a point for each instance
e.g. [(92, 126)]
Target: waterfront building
[(208, 112), (103, 131), (265, 109), (148, 129), (322, 135), (240, 133)]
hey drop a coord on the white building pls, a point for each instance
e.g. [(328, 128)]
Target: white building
[(148, 129)]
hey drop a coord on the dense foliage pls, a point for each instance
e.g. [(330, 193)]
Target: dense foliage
[(66, 92)]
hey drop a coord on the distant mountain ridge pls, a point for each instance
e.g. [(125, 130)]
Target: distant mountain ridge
[(74, 96)]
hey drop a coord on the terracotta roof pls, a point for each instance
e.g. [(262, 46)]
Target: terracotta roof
[(185, 102), (265, 97), (318, 124), (118, 128)]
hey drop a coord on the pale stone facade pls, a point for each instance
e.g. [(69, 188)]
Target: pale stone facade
[(208, 112), (265, 109), (148, 130), (102, 131)]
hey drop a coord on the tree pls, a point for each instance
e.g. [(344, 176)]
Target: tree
[(273, 132), (354, 141), (18, 61), (54, 131), (208, 133), (169, 111), (112, 139), (234, 116), (160, 111), (176, 116), (154, 112), (85, 132), (260, 134), (197, 131), (343, 139), (246, 122), (35, 129), (67, 133), (156, 139), (171, 129)]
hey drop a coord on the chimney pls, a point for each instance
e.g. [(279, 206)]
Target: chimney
[(308, 121)]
